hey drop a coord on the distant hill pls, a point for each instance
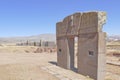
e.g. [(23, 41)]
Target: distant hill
[(113, 38), (43, 37), (35, 38)]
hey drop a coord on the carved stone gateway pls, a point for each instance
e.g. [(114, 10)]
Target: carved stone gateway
[(91, 43)]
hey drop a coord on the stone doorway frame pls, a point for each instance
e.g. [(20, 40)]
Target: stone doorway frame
[(91, 43)]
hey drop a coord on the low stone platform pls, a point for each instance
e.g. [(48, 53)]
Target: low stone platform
[(64, 74)]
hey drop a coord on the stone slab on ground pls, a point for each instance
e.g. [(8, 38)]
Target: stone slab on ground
[(64, 74)]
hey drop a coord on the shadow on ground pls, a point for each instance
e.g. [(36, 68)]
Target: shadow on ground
[(55, 63)]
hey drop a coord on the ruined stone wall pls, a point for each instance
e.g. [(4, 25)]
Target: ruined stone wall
[(91, 43)]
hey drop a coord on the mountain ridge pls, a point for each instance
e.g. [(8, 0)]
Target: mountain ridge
[(33, 38), (43, 37)]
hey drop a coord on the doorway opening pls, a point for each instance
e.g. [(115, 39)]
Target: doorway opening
[(75, 53)]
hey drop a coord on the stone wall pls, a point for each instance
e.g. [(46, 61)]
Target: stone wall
[(91, 43)]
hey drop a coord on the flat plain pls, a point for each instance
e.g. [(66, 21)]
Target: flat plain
[(22, 63)]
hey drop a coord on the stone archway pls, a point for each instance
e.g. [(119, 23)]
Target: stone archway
[(91, 43)]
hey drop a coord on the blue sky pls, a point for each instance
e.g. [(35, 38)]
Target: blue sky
[(32, 17)]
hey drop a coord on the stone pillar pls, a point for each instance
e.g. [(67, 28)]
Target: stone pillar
[(91, 55), (65, 52), (65, 46), (101, 56), (91, 46), (62, 53)]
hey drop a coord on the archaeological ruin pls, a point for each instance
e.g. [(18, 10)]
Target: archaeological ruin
[(87, 26)]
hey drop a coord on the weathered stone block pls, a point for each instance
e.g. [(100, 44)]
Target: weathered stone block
[(91, 43), (65, 52), (61, 30), (91, 62)]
